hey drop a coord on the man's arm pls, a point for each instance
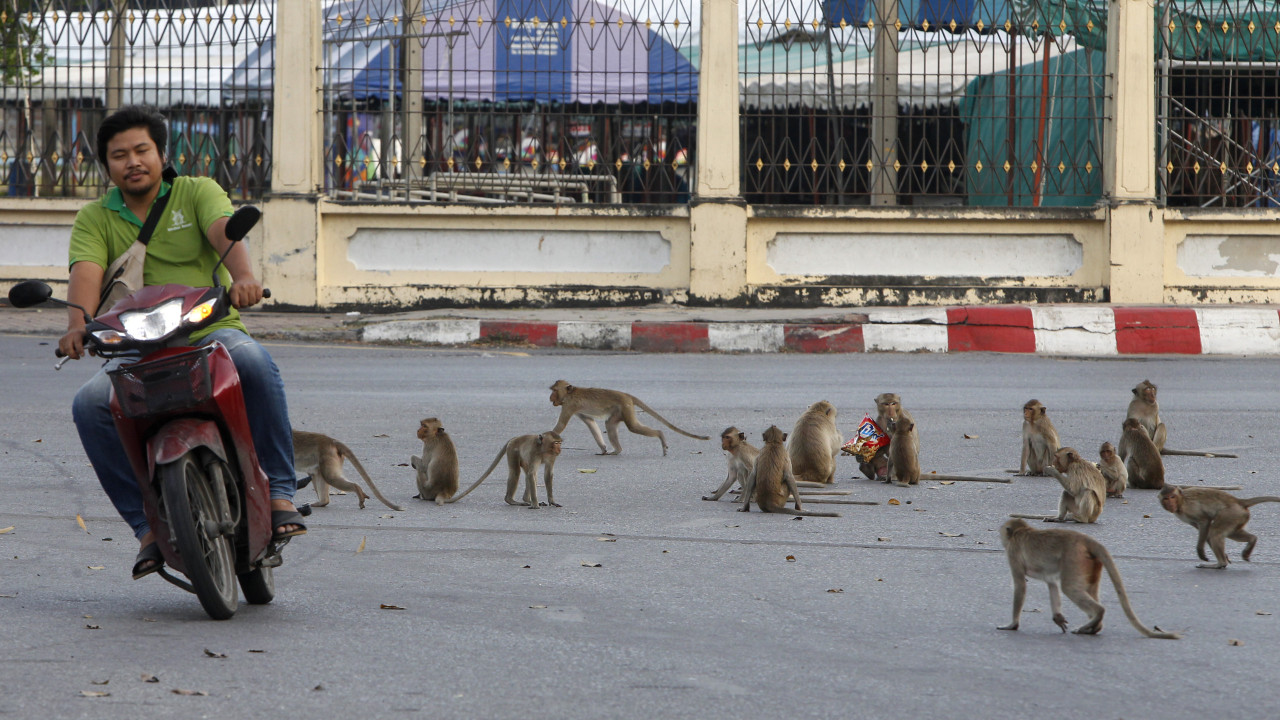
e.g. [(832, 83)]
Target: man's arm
[(83, 287), (245, 289)]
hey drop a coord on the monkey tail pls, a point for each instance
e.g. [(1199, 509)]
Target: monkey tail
[(1260, 499), (810, 513), (346, 453), (665, 421), (1196, 453), (1101, 553), (476, 484)]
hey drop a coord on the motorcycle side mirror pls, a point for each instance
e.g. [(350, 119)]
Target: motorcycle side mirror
[(29, 293), (241, 222)]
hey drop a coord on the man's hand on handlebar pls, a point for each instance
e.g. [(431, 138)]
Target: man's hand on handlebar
[(71, 345), (246, 293)]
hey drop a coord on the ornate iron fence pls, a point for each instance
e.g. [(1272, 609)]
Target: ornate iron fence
[(66, 61), (923, 102), (558, 101), (1218, 81)]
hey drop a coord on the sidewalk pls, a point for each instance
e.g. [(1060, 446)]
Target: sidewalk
[(1072, 330)]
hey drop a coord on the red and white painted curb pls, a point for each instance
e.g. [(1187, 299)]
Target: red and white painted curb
[(1095, 331)]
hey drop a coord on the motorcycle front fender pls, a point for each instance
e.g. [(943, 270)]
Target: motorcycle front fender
[(179, 437)]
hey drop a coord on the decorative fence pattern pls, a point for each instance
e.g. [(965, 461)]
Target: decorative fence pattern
[(66, 61)]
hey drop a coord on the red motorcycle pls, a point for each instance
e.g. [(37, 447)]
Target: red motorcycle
[(180, 413)]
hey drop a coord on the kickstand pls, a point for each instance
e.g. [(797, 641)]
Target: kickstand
[(176, 580)]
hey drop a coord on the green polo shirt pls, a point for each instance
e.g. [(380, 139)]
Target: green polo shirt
[(179, 251)]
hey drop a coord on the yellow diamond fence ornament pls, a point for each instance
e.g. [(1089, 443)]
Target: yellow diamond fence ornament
[(182, 158), (1062, 167), (506, 163), (1196, 167), (1008, 26), (1199, 27), (978, 166), (980, 25), (534, 163), (1089, 26), (786, 164), (478, 163), (1252, 27), (925, 26), (1169, 167), (1249, 167), (1034, 166), (1062, 26), (1222, 167), (951, 166), (1007, 166), (449, 164), (924, 166), (759, 23), (338, 161), (232, 160), (841, 166), (786, 23), (1088, 167), (870, 166), (897, 166), (1225, 27), (814, 165), (422, 163), (618, 164), (759, 164), (591, 165), (257, 160)]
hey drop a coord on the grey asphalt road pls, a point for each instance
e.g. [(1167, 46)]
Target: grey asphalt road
[(695, 610)]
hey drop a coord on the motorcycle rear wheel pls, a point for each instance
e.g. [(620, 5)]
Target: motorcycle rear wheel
[(207, 555), (259, 586)]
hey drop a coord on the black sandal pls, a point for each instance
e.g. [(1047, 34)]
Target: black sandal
[(149, 554), (286, 517)]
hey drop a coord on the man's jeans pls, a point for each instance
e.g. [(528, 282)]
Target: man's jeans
[(268, 424)]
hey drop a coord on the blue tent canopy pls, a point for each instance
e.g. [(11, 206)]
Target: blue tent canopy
[(547, 51)]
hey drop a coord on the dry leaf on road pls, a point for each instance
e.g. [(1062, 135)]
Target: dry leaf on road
[(894, 501), (385, 606), (148, 677), (947, 534), (212, 654), (791, 558), (970, 437), (197, 693), (6, 530), (94, 693), (591, 564), (586, 470), (80, 522), (361, 548), (836, 590), (1236, 643)]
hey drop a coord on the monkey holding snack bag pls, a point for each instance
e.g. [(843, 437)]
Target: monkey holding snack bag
[(870, 441)]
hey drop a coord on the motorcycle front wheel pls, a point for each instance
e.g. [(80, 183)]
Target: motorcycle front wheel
[(207, 553)]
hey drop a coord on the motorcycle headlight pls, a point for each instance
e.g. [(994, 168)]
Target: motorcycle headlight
[(154, 323)]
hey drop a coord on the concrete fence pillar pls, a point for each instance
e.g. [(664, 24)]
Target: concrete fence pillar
[(1135, 225), (286, 252), (718, 214)]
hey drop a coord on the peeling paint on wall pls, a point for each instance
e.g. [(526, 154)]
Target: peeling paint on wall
[(1229, 255), (935, 255), (465, 250), (35, 245)]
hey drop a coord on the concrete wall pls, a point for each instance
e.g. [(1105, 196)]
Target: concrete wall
[(316, 253)]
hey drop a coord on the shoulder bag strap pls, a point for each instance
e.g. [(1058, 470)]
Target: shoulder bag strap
[(157, 207)]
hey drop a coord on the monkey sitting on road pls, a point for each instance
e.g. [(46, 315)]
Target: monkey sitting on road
[(1144, 408), (771, 480), (437, 469), (1068, 560), (612, 406), (321, 457), (904, 454), (525, 452), (1039, 439), (742, 457), (1084, 491), (1113, 470), (815, 443), (889, 411), (1141, 457), (1217, 515)]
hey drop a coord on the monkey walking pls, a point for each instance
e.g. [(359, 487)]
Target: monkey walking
[(437, 469), (771, 480), (612, 406), (1084, 491), (321, 457), (1113, 470), (525, 453), (1068, 562), (815, 442), (1141, 457), (1217, 515)]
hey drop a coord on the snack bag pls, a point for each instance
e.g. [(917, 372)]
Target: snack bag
[(869, 439)]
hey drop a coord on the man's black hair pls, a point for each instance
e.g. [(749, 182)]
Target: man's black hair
[(127, 118)]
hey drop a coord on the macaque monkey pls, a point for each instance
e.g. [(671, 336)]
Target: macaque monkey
[(904, 454), (1217, 515), (1068, 562), (525, 452), (1084, 490), (1144, 408), (815, 443), (1141, 457), (742, 457), (438, 467), (320, 456), (612, 406), (1113, 470), (888, 410), (772, 481), (1039, 439)]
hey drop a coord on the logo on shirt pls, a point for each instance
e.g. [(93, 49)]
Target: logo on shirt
[(178, 222)]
